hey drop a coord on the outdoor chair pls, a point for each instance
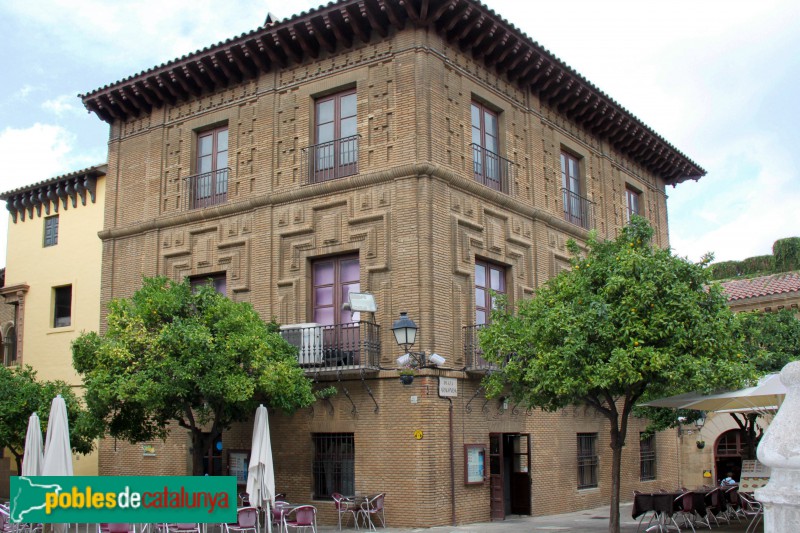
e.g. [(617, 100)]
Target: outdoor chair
[(752, 509), (186, 527), (246, 520), (733, 505), (301, 517), (715, 506), (279, 508), (373, 506), (345, 506), (121, 528)]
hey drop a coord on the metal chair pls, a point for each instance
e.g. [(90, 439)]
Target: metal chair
[(279, 508), (752, 509), (184, 527), (121, 528), (246, 520), (373, 506), (301, 517), (345, 506)]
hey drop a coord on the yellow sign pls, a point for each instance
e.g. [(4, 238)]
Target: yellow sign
[(418, 434), (706, 473)]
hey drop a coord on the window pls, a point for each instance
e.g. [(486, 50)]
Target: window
[(218, 281), (333, 468), (335, 150), (209, 186), (576, 207), (489, 168), (632, 197), (488, 277), (51, 231), (647, 458), (587, 460), (62, 308), (10, 347), (333, 281)]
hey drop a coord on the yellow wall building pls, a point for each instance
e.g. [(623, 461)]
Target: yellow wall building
[(52, 278)]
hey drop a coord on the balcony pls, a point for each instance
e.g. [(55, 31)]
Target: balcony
[(577, 209), (491, 169), (473, 355), (335, 347), (330, 160), (207, 189)]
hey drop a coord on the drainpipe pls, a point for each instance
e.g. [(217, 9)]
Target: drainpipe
[(452, 467)]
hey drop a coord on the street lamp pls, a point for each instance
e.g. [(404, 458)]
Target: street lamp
[(405, 333), (701, 421)]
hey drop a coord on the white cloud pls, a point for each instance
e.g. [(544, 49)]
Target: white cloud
[(62, 105), (34, 154)]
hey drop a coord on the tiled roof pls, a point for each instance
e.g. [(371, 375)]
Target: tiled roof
[(475, 28), (740, 289), (99, 170)]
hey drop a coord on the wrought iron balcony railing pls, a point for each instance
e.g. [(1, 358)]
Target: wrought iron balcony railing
[(491, 169), (473, 355), (207, 189), (330, 160), (577, 209), (335, 347)]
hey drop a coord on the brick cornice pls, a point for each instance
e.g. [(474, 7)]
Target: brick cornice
[(362, 180)]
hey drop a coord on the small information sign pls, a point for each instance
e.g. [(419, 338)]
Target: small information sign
[(448, 387), (363, 301)]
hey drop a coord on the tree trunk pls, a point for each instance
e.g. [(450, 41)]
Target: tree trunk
[(18, 457), (199, 451), (616, 466)]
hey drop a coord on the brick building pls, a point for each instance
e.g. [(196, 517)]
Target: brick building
[(425, 152)]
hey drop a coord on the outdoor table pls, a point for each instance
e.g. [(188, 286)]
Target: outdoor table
[(662, 503)]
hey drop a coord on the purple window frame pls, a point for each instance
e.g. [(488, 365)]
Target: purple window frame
[(488, 277), (332, 278)]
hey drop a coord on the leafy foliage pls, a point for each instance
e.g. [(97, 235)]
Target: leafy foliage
[(198, 359), (787, 254), (629, 321), (21, 395), (769, 340)]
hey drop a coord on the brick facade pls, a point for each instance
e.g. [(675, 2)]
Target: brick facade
[(417, 219)]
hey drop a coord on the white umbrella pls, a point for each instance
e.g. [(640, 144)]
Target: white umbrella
[(260, 473), (32, 456), (766, 396), (57, 450)]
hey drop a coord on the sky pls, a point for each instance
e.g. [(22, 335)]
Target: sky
[(718, 79)]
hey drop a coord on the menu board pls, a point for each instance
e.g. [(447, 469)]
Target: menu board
[(237, 466), (755, 475), (475, 461)]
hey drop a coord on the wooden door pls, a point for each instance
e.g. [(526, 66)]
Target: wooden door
[(497, 505)]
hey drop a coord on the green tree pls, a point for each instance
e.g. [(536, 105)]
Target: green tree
[(627, 322), (769, 341), (198, 359), (21, 395)]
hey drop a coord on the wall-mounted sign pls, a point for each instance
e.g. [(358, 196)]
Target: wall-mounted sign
[(148, 450), (418, 434), (474, 464), (363, 301), (237, 466), (448, 387)]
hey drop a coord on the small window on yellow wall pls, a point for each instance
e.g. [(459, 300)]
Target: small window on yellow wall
[(51, 230), (62, 306)]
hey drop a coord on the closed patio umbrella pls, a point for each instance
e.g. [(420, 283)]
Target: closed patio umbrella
[(260, 472), (32, 459), (57, 450)]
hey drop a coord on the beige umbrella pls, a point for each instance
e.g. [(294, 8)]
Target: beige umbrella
[(32, 456), (767, 395), (260, 472), (57, 450)]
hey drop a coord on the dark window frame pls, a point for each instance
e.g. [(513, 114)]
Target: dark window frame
[(219, 280), (647, 458), (633, 201), (336, 157), (572, 186), (587, 460), (50, 231), (333, 464), (336, 288), (210, 187), (486, 288), (62, 306)]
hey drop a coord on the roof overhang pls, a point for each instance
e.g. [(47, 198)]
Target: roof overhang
[(468, 24)]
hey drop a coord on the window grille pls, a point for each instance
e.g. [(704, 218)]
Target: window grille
[(587, 460), (333, 468), (647, 458)]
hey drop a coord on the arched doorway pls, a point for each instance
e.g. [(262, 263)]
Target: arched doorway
[(728, 454)]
